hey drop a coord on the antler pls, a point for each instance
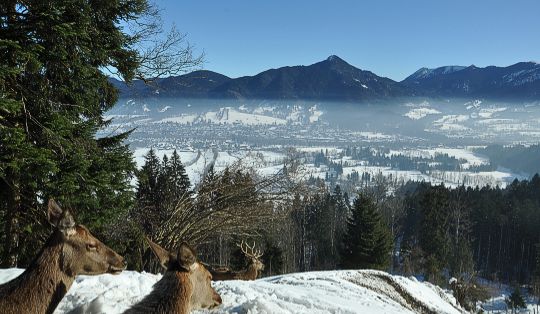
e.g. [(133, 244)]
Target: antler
[(251, 253)]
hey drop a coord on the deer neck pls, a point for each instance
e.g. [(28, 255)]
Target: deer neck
[(171, 294), (251, 271), (42, 285)]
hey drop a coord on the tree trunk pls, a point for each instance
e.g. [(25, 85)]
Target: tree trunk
[(11, 224)]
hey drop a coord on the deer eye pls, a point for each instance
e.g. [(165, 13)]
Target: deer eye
[(91, 247)]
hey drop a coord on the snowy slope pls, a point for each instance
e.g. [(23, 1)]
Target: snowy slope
[(313, 292)]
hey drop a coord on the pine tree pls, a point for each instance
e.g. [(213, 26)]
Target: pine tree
[(179, 177), (367, 243), (338, 223), (516, 300), (53, 96), (434, 239), (536, 280), (149, 193)]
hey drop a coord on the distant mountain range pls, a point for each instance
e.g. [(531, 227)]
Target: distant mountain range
[(335, 80), (518, 81)]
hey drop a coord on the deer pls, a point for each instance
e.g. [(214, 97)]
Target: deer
[(253, 270), (185, 285), (71, 250)]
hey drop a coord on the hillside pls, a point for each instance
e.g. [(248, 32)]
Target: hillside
[(197, 84), (314, 292), (518, 81)]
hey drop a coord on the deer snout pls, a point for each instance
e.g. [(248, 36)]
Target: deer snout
[(116, 264)]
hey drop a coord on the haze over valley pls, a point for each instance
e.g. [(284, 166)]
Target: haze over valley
[(402, 133)]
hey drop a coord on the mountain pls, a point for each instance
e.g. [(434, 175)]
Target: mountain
[(331, 79), (196, 84), (518, 81), (334, 79)]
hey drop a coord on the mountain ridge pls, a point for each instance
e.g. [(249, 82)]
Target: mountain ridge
[(333, 79)]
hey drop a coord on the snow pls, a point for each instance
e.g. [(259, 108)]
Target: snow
[(471, 157), (229, 115), (315, 114), (494, 121), (424, 103), (226, 115), (348, 291), (453, 127), (366, 135), (317, 149), (145, 108), (451, 119), (473, 104), (295, 114), (489, 112), (419, 113), (499, 292), (363, 85), (164, 108), (263, 109)]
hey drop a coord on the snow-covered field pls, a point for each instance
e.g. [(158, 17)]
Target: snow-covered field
[(472, 158), (268, 163), (350, 291), (419, 113)]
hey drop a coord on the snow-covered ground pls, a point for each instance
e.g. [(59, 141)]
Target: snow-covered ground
[(419, 113), (267, 163), (496, 304), (350, 291), (472, 158)]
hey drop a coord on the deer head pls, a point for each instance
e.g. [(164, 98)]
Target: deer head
[(81, 253), (253, 255), (183, 262)]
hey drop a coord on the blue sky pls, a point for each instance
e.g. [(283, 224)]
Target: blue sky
[(391, 38)]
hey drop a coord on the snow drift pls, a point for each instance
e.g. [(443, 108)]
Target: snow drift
[(349, 291)]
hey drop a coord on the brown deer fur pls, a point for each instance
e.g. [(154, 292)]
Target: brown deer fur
[(70, 251), (252, 271), (185, 286)]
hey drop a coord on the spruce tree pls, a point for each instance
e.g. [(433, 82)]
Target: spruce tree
[(536, 280), (148, 202), (53, 94), (340, 211), (368, 242), (179, 177), (434, 239)]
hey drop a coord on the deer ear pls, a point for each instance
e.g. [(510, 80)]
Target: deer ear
[(60, 218), (163, 255), (187, 257)]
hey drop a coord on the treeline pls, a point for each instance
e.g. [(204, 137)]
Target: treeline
[(439, 232), (490, 230), (382, 158), (519, 158)]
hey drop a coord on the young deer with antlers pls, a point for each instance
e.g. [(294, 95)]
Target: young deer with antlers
[(185, 286), (252, 271), (70, 251)]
